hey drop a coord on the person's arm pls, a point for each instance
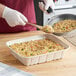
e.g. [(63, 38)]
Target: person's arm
[(1, 9), (12, 17)]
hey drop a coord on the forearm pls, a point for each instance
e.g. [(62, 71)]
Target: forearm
[(1, 9)]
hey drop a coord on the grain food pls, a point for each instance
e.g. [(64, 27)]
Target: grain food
[(47, 29), (65, 25), (36, 47)]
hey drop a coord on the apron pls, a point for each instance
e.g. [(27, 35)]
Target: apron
[(26, 7)]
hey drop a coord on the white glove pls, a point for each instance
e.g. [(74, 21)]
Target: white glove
[(47, 3), (13, 17)]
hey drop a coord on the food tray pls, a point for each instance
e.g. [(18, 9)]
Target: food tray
[(61, 17), (39, 58)]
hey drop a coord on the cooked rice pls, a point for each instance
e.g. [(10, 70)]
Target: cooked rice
[(65, 26), (36, 47)]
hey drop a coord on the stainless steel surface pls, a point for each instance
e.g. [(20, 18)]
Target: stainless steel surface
[(58, 18), (64, 2), (61, 7), (47, 17)]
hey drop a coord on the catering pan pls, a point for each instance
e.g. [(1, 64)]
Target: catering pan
[(61, 17), (42, 57)]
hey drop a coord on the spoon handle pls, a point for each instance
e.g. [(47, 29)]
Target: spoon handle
[(38, 26)]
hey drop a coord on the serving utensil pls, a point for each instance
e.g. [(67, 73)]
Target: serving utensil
[(43, 28), (38, 26)]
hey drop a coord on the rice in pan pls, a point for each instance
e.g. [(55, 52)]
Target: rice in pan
[(36, 47), (65, 26)]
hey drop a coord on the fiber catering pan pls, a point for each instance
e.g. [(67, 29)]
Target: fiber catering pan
[(60, 17)]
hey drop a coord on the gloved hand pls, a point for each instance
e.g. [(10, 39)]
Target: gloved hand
[(46, 4), (13, 17)]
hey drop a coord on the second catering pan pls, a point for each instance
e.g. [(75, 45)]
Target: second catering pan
[(61, 17)]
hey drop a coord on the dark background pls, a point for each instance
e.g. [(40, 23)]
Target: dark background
[(38, 12)]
